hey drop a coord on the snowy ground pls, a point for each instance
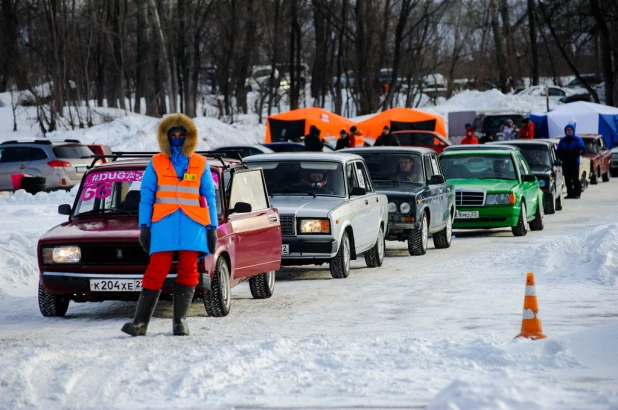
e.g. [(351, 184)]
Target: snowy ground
[(434, 331)]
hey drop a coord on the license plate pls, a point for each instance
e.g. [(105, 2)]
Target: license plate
[(115, 285), (285, 249), (467, 215)]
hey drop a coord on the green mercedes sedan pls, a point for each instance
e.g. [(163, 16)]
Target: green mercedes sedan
[(493, 189)]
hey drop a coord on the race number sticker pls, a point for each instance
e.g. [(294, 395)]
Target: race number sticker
[(99, 184), (215, 178)]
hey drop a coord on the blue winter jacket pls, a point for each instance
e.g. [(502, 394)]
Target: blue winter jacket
[(177, 231), (570, 148)]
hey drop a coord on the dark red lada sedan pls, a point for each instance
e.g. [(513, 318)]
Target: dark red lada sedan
[(96, 255)]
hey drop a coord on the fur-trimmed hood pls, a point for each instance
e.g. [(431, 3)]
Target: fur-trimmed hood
[(177, 120)]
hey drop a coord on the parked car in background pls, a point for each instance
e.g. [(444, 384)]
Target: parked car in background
[(494, 189), (101, 149), (55, 164), (244, 150), (422, 139), (494, 121), (613, 170), (348, 80), (541, 91), (420, 201), (545, 165), (260, 78), (584, 168), (293, 147), (600, 157), (329, 209), (96, 255)]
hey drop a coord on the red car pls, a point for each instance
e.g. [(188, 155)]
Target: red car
[(600, 157), (424, 139), (101, 149), (96, 256)]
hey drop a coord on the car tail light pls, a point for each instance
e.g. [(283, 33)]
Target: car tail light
[(59, 164)]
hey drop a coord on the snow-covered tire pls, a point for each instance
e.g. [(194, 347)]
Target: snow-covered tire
[(549, 199), (417, 238), (52, 305), (218, 299), (559, 200), (375, 256), (594, 178), (442, 239), (537, 224), (606, 176), (340, 264), (263, 285), (520, 229)]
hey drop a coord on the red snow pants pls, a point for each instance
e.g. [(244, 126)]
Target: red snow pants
[(160, 264)]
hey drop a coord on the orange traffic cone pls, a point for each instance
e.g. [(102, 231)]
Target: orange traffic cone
[(531, 324)]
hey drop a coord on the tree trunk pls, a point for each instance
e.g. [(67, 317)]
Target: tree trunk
[(318, 79), (498, 44), (606, 51), (533, 45), (339, 69), (10, 61), (511, 51), (274, 57), (167, 64)]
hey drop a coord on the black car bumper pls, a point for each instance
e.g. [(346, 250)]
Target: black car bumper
[(307, 251)]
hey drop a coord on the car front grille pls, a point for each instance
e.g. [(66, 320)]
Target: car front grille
[(288, 225), (469, 197), (113, 254)]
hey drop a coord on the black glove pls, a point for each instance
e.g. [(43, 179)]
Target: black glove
[(211, 240), (144, 238)]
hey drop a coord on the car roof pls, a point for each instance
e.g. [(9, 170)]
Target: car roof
[(42, 142), (522, 142), (303, 156), (480, 151), (394, 150), (128, 163), (266, 144), (256, 146), (480, 147)]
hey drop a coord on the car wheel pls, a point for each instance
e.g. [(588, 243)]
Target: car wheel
[(218, 299), (584, 182), (32, 185), (442, 239), (340, 264), (375, 256), (550, 201), (559, 201), (606, 176), (263, 285), (537, 224), (594, 178), (52, 305), (520, 228), (417, 239)]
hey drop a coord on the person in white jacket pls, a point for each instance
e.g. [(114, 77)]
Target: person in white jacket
[(509, 131)]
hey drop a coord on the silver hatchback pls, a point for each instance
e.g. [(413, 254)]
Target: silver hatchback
[(61, 163)]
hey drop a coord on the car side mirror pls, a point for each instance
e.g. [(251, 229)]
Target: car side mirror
[(558, 163), (436, 179), (64, 209), (358, 191), (241, 208), (528, 178)]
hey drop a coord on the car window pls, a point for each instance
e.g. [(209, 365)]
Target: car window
[(218, 191), (362, 176), (591, 146), (428, 168), (398, 167), (434, 165), (602, 144), (109, 192), (37, 154), (72, 151), (537, 156), (248, 187), (15, 154), (351, 177), (419, 139), (556, 92), (478, 166), (523, 166)]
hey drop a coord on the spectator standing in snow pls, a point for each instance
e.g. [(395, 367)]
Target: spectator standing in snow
[(387, 139), (509, 131), (313, 141), (469, 138), (570, 148), (343, 141), (488, 137), (526, 132), (169, 224)]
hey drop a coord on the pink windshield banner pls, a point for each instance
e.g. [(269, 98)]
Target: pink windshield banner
[(215, 178), (114, 176)]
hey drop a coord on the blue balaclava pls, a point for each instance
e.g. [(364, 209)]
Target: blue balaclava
[(176, 142), (571, 126)]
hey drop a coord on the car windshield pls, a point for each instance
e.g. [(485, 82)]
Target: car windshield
[(536, 156), (118, 192), (478, 166), (323, 178), (424, 139), (72, 151), (396, 167), (495, 123), (591, 146)]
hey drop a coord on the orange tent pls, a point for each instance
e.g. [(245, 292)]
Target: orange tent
[(402, 119), (296, 123)]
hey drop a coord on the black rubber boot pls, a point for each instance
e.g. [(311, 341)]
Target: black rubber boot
[(143, 312), (183, 296)]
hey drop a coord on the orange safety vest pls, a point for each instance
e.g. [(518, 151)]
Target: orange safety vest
[(184, 194)]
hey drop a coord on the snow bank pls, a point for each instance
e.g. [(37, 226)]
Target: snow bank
[(22, 197)]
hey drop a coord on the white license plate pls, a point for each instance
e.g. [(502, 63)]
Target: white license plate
[(467, 214), (115, 285), (285, 249), (81, 169)]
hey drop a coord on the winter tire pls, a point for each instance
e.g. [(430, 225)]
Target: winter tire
[(559, 200), (263, 285), (32, 185), (340, 264), (584, 182), (375, 256), (218, 300), (52, 305), (594, 177), (537, 224), (520, 228), (549, 199), (442, 239), (606, 177), (417, 239)]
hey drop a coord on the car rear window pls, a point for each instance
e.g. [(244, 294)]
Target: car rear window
[(72, 151)]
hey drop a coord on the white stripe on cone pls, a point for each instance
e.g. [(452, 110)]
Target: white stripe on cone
[(528, 314), (530, 291)]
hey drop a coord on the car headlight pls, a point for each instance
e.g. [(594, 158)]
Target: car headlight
[(542, 183), (500, 199), (62, 254), (392, 207), (314, 226), (405, 207)]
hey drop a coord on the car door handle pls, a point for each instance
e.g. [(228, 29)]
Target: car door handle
[(366, 202), (22, 166), (377, 200)]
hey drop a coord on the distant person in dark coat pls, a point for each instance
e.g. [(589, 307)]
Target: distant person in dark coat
[(343, 141), (387, 139), (488, 137), (313, 141), (570, 148)]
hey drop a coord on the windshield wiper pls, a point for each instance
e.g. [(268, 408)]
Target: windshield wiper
[(386, 179), (105, 211), (295, 191)]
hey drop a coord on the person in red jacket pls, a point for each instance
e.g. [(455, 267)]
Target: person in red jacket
[(526, 132), (469, 138)]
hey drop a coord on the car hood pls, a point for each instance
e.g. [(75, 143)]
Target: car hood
[(484, 184), (302, 205), (392, 190), (94, 230)]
